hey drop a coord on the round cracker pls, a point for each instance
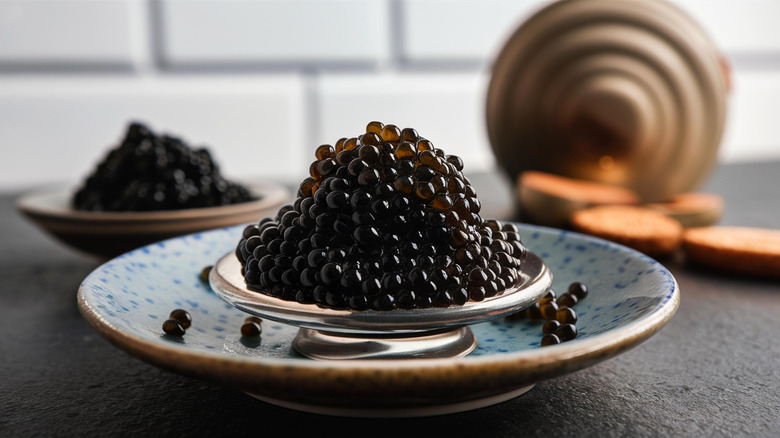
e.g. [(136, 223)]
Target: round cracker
[(550, 200), (645, 230), (741, 250), (692, 209)]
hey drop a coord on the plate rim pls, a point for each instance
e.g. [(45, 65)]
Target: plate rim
[(576, 355)]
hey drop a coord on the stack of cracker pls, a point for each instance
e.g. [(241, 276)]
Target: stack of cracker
[(685, 223)]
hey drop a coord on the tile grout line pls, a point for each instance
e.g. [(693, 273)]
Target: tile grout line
[(396, 28), (311, 112)]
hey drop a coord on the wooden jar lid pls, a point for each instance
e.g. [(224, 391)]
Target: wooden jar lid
[(624, 93)]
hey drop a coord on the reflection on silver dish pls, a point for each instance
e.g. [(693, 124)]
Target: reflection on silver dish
[(345, 334)]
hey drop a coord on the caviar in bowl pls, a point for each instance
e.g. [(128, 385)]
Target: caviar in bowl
[(146, 189)]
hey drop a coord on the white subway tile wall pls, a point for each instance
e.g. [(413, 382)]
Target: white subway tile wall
[(263, 82), (299, 32), (68, 33), (58, 128), (458, 32), (738, 27)]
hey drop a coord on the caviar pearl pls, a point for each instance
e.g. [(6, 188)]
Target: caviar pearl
[(548, 310), (566, 332), (204, 274), (550, 326), (567, 300), (251, 329), (550, 339), (566, 315), (579, 290), (173, 327), (183, 317)]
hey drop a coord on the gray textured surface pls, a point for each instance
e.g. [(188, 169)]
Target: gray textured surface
[(714, 370)]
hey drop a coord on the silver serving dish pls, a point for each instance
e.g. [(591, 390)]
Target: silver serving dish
[(344, 334)]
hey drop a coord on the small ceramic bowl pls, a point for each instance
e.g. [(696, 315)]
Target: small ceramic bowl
[(108, 234)]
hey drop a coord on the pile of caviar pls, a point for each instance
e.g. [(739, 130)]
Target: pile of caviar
[(147, 172), (385, 221)]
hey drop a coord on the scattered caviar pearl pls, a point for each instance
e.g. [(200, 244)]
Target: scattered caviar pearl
[(566, 315), (546, 300), (579, 290), (533, 311), (173, 327), (566, 332), (184, 317), (255, 319), (251, 329), (567, 300), (204, 274), (516, 315), (548, 310), (550, 326), (550, 339)]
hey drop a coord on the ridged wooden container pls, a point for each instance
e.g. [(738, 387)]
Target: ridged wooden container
[(629, 93)]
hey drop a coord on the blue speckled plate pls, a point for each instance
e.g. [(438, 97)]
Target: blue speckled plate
[(128, 298)]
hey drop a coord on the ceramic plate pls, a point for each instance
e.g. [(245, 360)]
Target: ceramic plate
[(108, 234), (128, 298)]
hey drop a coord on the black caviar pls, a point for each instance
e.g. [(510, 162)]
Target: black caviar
[(251, 329), (559, 317), (578, 289), (384, 221), (204, 274), (173, 327), (147, 172), (183, 316)]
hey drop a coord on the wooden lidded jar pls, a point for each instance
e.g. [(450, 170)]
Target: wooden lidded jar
[(629, 93)]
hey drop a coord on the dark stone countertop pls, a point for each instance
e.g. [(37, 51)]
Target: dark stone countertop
[(714, 370)]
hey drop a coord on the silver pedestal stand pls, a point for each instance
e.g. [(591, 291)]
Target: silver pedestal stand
[(327, 334)]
